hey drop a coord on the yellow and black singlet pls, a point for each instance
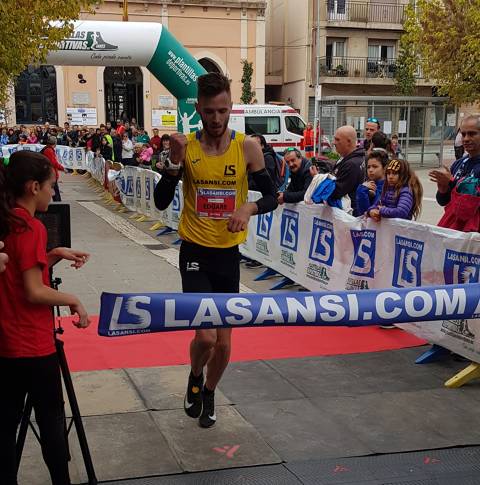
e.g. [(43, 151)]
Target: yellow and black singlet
[(214, 186)]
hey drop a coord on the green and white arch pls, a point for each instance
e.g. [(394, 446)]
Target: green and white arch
[(103, 43)]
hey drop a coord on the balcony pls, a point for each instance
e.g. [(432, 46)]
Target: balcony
[(385, 14), (360, 67)]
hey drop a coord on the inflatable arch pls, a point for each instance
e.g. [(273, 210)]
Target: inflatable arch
[(102, 43)]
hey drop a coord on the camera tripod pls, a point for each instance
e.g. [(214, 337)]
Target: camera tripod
[(72, 399)]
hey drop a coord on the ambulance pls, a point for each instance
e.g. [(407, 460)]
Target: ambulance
[(281, 125)]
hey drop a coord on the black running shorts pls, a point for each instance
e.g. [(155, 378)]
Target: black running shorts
[(209, 270)]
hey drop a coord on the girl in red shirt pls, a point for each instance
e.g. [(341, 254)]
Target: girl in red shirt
[(28, 360)]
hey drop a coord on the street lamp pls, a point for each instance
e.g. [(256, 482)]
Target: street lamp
[(318, 87)]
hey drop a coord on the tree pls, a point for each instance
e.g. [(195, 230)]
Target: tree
[(405, 69), (247, 94), (27, 34), (444, 34)]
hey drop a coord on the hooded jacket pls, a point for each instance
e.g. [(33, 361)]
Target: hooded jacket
[(350, 173)]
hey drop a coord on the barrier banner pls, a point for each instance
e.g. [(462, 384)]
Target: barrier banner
[(324, 248), (125, 183), (128, 314), (96, 167), (7, 150), (69, 157)]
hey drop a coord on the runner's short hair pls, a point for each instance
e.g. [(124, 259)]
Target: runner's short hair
[(213, 84)]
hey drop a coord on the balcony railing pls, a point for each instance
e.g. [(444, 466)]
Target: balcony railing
[(341, 10), (363, 67)]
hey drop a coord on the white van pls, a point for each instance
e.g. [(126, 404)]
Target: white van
[(281, 125)]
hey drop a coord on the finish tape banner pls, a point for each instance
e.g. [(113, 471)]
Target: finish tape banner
[(130, 314), (69, 157)]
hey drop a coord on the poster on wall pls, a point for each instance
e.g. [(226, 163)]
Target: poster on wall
[(82, 116), (163, 118)]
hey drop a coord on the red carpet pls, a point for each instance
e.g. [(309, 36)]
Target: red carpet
[(87, 351)]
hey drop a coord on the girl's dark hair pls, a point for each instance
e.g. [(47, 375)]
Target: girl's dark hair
[(212, 84), (381, 156), (379, 140), (406, 178), (23, 166), (165, 137)]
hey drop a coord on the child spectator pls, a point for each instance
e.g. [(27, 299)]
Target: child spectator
[(401, 195), (28, 360), (146, 156), (32, 137), (395, 147), (368, 193)]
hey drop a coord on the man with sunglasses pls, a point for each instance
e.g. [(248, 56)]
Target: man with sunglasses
[(372, 125), (300, 177)]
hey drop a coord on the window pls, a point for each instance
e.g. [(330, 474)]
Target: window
[(381, 59), (295, 125), (381, 51), (336, 8), (335, 53), (36, 95), (264, 125)]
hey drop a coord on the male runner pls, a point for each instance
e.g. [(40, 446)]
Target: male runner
[(214, 164)]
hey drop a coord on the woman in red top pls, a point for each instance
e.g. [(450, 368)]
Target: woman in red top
[(28, 360)]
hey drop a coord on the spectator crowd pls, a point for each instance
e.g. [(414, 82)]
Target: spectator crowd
[(123, 142)]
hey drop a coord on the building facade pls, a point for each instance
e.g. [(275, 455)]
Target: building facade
[(357, 54), (219, 34), (358, 50)]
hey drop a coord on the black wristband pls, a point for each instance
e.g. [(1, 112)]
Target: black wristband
[(172, 179), (266, 204)]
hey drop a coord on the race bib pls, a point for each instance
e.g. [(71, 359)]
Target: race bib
[(215, 203)]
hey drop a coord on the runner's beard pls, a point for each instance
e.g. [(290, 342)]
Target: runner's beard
[(214, 134)]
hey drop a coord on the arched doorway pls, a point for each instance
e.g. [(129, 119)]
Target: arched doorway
[(209, 65), (36, 95), (123, 94)]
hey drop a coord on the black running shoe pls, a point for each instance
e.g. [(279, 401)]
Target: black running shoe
[(193, 397), (208, 417)]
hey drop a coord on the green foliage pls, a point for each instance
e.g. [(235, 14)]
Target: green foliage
[(405, 69), (247, 94), (26, 34), (445, 36)]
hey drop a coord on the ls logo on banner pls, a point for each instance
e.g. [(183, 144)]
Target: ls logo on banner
[(321, 244), (121, 183), (176, 200), (138, 188), (289, 230), (147, 189), (264, 225), (459, 268), (408, 262), (364, 243), (129, 190)]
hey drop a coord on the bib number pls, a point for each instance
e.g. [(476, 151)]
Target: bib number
[(215, 203)]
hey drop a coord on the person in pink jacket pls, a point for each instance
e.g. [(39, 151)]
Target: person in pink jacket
[(146, 156)]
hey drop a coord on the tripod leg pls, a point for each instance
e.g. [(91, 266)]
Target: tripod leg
[(76, 416), (22, 432)]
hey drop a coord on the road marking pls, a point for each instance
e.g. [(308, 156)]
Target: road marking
[(229, 451), (430, 199), (128, 230)]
